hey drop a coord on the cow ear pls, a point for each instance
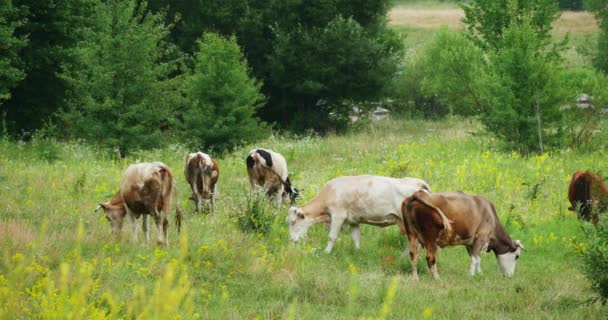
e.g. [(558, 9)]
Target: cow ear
[(519, 245), (101, 206)]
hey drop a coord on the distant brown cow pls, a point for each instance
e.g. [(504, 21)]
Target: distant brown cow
[(146, 189), (201, 173), (472, 221), (588, 195)]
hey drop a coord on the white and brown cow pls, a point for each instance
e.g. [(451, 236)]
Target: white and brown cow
[(146, 189), (353, 200), (202, 174), (456, 218), (268, 169)]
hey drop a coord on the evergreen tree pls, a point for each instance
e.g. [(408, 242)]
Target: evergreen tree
[(600, 9), (11, 69), (223, 98), (121, 92)]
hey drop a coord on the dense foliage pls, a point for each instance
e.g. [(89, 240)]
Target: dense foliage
[(120, 86), (353, 59), (222, 98), (600, 9)]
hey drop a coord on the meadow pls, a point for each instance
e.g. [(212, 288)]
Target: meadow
[(60, 260)]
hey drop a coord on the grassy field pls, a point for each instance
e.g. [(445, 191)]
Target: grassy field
[(61, 261), (418, 21)]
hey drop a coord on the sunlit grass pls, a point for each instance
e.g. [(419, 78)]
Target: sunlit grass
[(213, 270)]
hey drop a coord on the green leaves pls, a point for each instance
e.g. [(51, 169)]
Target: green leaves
[(223, 98)]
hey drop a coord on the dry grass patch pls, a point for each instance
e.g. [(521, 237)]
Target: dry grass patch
[(419, 18)]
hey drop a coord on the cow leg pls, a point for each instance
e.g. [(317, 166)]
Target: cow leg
[(414, 245), (133, 220), (355, 233), (334, 230), (144, 226), (166, 229), (431, 260), (475, 250), (159, 220)]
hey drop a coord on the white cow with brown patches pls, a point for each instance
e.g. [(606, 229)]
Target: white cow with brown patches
[(353, 200), (147, 189), (268, 169), (202, 174)]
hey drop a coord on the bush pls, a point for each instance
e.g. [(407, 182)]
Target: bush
[(223, 98), (595, 258), (258, 214)]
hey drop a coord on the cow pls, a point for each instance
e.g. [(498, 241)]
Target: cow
[(202, 174), (588, 195), (456, 218), (146, 189), (268, 169), (353, 200)]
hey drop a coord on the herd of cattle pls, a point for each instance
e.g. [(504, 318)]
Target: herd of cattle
[(430, 219)]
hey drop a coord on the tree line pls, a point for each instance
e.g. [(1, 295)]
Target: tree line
[(131, 74)]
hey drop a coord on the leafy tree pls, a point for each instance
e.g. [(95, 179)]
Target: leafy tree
[(11, 69), (487, 20), (121, 92), (452, 67), (522, 91), (600, 9), (321, 70), (269, 31), (223, 97), (50, 28)]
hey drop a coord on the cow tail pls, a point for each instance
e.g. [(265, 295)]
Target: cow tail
[(168, 187), (446, 222)]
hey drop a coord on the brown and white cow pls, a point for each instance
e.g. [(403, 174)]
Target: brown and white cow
[(146, 189), (353, 200), (268, 169), (202, 174), (588, 195), (471, 221)]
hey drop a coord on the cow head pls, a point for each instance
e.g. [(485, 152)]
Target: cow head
[(115, 214), (507, 261), (299, 224)]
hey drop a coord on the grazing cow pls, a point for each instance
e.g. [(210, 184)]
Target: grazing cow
[(201, 173), (453, 218), (588, 195), (268, 169), (146, 189), (353, 200)]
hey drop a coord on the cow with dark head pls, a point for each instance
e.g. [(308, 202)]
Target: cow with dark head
[(588, 195), (268, 169), (456, 218)]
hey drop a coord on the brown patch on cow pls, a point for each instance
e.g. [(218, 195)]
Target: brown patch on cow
[(589, 193)]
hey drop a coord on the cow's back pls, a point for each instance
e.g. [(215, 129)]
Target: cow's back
[(369, 195), (470, 215), (145, 185)]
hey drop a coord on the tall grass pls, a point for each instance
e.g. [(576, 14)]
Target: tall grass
[(60, 260)]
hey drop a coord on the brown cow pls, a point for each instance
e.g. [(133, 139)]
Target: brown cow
[(201, 173), (588, 195), (146, 189), (268, 169), (473, 223)]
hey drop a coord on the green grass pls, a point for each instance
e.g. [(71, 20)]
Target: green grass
[(60, 259)]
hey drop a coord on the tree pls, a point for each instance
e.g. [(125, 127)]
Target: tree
[(223, 98), (50, 28), (121, 94), (600, 9), (11, 69), (522, 91), (487, 20)]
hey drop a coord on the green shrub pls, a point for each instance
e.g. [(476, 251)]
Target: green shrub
[(595, 258), (257, 216)]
